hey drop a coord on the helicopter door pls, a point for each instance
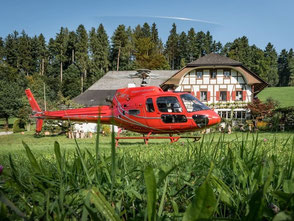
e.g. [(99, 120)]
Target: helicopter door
[(151, 113), (170, 111)]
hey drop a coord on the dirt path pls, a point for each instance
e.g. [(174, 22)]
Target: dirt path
[(6, 133)]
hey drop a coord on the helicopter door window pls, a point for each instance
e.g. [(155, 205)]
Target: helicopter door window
[(168, 104), (149, 105)]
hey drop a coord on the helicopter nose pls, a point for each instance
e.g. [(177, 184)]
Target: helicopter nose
[(213, 118), (206, 119)]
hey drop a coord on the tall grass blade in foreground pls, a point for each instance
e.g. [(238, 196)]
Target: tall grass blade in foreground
[(203, 204), (101, 204), (150, 183)]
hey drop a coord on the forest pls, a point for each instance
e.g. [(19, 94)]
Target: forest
[(66, 65)]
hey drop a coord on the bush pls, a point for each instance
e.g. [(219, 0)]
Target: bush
[(19, 125), (105, 129)]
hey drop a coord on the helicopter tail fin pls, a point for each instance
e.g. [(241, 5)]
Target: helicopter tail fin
[(34, 105), (36, 110)]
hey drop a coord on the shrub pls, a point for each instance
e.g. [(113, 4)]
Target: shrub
[(105, 129), (19, 125)]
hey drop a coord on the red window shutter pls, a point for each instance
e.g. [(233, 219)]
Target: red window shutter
[(234, 95), (198, 95), (244, 95), (228, 95), (208, 95), (217, 95)]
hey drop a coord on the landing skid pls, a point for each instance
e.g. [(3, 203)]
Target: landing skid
[(147, 137)]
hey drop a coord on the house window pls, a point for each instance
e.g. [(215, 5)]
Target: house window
[(239, 95), (203, 95), (213, 73), (199, 74), (223, 96), (227, 73), (149, 105)]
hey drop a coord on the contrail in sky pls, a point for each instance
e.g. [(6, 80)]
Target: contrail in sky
[(185, 19), (164, 17)]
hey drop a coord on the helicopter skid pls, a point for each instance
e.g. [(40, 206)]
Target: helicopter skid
[(172, 139)]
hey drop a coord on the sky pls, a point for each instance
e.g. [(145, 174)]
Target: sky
[(262, 21)]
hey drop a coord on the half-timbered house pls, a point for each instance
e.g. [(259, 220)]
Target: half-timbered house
[(222, 83)]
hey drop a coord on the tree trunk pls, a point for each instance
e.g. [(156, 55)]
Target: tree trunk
[(43, 66), (117, 65), (82, 83), (61, 70), (85, 74), (6, 126), (72, 56)]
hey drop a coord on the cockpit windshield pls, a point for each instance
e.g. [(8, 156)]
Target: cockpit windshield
[(192, 103)]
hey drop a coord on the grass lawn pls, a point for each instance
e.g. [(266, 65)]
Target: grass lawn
[(13, 143), (285, 95), (229, 172)]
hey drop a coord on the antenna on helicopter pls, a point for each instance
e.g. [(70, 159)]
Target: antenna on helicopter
[(144, 74)]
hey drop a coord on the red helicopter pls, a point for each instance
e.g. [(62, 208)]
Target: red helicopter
[(146, 110)]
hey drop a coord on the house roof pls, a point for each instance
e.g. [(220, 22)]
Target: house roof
[(113, 80), (214, 59)]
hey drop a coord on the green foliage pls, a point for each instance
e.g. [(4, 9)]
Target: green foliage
[(19, 125), (249, 174)]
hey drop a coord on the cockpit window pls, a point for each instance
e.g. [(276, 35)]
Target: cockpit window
[(169, 104), (192, 103)]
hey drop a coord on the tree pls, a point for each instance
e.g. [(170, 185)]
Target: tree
[(82, 58), (291, 67), (11, 84), (71, 83), (283, 70), (71, 47), (11, 50), (240, 51), (172, 48), (271, 58), (183, 52), (60, 46), (99, 48), (258, 63), (121, 48), (1, 50), (192, 47), (25, 54)]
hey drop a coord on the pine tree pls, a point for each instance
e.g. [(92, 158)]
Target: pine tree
[(240, 51), (103, 49), (192, 46), (155, 38), (271, 58), (201, 43), (1, 50), (283, 70), (71, 47), (146, 32), (11, 50), (290, 61), (60, 47), (172, 48), (183, 53), (25, 54), (82, 59), (121, 48)]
